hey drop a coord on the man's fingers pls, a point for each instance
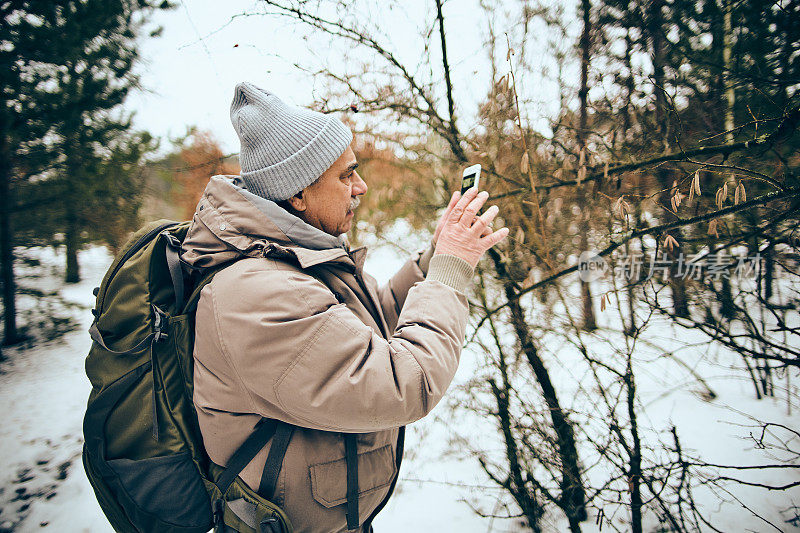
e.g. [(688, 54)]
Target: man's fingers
[(472, 208), (482, 222), (453, 201), (454, 198), (495, 237), (461, 204)]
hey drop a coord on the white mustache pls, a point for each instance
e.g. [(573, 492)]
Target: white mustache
[(354, 203)]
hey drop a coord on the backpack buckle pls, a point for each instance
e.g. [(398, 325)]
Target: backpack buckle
[(171, 239), (159, 324), (270, 524), (219, 525)]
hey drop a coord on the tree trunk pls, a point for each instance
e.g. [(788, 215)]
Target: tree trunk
[(573, 494), (10, 333), (727, 49), (71, 238), (589, 321), (768, 273), (635, 467), (658, 43)]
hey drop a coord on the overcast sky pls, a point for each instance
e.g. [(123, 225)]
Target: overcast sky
[(207, 46)]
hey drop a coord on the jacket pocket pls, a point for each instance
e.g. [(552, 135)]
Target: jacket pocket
[(376, 470)]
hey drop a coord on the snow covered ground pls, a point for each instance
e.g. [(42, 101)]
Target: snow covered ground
[(43, 391)]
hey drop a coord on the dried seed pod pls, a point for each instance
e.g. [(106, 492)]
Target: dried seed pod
[(722, 195), (602, 302), (691, 191), (670, 243), (524, 165), (676, 200), (605, 172), (581, 174), (743, 194), (582, 157), (621, 207), (696, 182), (501, 84), (558, 173), (712, 228), (736, 195)]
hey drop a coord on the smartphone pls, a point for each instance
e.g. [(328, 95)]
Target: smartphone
[(470, 178)]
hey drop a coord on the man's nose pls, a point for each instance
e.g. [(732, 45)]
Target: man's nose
[(359, 185)]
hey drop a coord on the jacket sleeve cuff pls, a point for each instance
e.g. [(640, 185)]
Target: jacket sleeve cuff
[(451, 271), (424, 259)]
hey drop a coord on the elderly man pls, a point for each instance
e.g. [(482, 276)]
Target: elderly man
[(295, 331)]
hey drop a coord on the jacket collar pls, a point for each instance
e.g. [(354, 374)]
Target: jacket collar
[(230, 221)]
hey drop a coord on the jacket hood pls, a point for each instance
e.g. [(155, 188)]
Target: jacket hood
[(230, 222)]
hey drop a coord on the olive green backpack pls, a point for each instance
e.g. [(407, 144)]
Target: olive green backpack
[(143, 452)]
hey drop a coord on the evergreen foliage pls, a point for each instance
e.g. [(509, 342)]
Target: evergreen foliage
[(70, 164)]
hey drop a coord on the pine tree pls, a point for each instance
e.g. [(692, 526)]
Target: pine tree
[(66, 67)]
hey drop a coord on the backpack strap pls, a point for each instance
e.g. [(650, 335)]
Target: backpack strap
[(269, 476), (263, 431), (351, 459), (97, 337), (172, 251)]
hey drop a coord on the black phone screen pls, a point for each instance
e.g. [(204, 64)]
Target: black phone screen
[(467, 182)]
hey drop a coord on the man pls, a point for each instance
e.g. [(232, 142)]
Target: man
[(295, 331)]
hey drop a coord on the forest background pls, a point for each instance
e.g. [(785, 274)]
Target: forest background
[(654, 141)]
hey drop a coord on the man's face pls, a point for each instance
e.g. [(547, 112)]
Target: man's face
[(328, 203)]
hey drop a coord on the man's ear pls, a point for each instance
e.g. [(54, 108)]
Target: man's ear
[(298, 202)]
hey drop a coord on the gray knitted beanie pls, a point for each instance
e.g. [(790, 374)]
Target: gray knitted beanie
[(284, 149)]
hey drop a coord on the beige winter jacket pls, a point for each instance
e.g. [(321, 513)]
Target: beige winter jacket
[(297, 332)]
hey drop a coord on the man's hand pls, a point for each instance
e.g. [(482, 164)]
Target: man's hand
[(463, 234), (453, 200)]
